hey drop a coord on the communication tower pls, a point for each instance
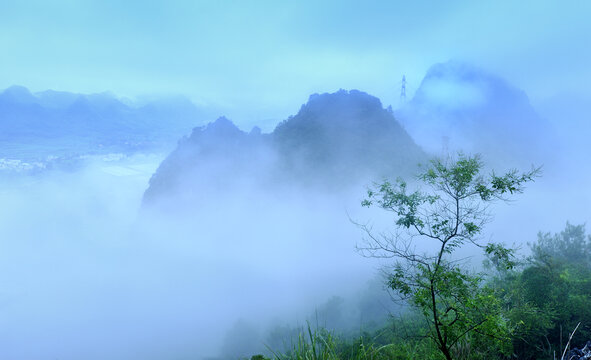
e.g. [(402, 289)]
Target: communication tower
[(403, 90)]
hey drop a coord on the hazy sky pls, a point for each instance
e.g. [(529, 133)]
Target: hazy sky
[(263, 58)]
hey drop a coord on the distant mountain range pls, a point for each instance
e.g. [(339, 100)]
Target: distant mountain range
[(334, 140), (462, 107), (72, 122), (347, 138)]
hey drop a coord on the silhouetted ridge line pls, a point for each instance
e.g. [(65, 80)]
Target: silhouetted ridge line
[(334, 140)]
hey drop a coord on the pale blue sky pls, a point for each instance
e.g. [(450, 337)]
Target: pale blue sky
[(261, 59)]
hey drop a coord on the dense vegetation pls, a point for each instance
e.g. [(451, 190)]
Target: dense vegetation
[(542, 298), (517, 308)]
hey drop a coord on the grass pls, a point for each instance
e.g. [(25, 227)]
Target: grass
[(321, 344)]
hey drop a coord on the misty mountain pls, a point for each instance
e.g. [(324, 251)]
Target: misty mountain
[(81, 123), (461, 107), (571, 116), (335, 140)]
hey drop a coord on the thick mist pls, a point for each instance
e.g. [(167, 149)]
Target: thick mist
[(134, 225), (87, 274), (235, 240)]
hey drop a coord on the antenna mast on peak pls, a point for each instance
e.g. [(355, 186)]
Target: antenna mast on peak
[(403, 90)]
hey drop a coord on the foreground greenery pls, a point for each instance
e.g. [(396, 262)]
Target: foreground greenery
[(542, 299), (517, 308), (447, 210)]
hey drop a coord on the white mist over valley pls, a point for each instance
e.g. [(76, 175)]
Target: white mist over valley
[(219, 223)]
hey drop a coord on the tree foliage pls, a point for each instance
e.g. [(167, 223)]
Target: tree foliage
[(570, 245), (550, 293), (451, 212)]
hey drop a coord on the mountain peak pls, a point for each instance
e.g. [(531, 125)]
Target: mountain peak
[(19, 94), (456, 85), (223, 121), (335, 140), (222, 125), (344, 108), (475, 111), (341, 100)]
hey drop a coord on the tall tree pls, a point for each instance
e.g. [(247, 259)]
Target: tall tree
[(452, 212)]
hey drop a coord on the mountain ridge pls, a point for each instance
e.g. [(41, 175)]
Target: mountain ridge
[(334, 140), (60, 119), (459, 106)]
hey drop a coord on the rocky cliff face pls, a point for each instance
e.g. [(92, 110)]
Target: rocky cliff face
[(212, 157), (335, 140)]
